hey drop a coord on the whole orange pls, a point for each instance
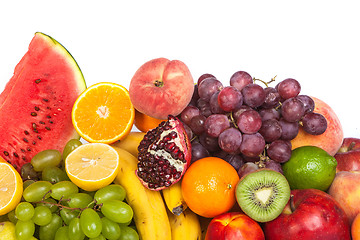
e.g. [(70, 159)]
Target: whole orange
[(208, 186), (144, 122)]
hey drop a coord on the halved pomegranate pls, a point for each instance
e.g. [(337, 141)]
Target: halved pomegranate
[(164, 155)]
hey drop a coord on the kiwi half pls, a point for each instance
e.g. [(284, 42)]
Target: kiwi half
[(263, 194)]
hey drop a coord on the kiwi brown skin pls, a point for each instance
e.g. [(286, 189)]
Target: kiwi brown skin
[(267, 178)]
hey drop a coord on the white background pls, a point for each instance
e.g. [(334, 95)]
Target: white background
[(315, 42)]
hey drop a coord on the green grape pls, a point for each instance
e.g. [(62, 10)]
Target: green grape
[(90, 223), (46, 158), (75, 232), (128, 233), (24, 230), (110, 229), (100, 237), (110, 192), (70, 146), (117, 211), (126, 223), (62, 233), (54, 175), (80, 200), (24, 211), (42, 215), (50, 203), (12, 217), (63, 189), (27, 183), (48, 231), (37, 191), (68, 214)]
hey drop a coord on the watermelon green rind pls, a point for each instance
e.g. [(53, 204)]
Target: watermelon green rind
[(36, 104)]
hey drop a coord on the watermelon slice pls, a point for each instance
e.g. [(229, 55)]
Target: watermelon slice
[(36, 104)]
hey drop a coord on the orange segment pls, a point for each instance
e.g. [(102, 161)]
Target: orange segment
[(92, 166), (103, 113), (11, 187)]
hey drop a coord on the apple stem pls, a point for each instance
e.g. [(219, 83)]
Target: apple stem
[(292, 207), (158, 83), (351, 146)]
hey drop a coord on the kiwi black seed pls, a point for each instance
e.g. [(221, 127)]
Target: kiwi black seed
[(263, 194)]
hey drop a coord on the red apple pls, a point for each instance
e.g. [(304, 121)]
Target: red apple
[(310, 214), (161, 87), (233, 226), (348, 156), (345, 189), (331, 139)]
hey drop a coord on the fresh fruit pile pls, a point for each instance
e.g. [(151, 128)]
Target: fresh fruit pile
[(169, 159)]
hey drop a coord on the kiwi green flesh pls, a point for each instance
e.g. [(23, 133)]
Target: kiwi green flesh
[(263, 194)]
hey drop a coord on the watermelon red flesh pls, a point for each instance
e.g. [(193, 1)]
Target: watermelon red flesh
[(36, 104)]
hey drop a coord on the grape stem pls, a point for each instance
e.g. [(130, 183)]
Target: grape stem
[(265, 83)]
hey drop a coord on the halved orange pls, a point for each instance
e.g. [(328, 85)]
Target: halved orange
[(92, 166), (144, 122), (103, 113), (11, 187)]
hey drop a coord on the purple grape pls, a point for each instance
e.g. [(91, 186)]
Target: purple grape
[(279, 151), (216, 124), (197, 124), (204, 76), (208, 87), (292, 109), (210, 143), (188, 131), (188, 113), (235, 160), (248, 167), (271, 130), (252, 145), (204, 107), (289, 129), (272, 98), (308, 102), (269, 113), (249, 121), (195, 96), (289, 88), (240, 79), (214, 104), (229, 140), (239, 111), (230, 98), (314, 123), (273, 165), (254, 95), (198, 151)]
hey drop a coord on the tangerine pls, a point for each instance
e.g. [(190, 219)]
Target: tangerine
[(144, 122), (208, 186)]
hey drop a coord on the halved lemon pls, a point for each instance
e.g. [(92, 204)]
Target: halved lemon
[(11, 187), (103, 113), (92, 166)]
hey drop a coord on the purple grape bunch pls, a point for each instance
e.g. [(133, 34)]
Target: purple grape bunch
[(246, 124)]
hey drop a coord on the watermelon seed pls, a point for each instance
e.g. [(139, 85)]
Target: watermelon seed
[(51, 122), (48, 116), (33, 114), (37, 81), (26, 132), (33, 142), (47, 128), (23, 150), (25, 140), (41, 122), (6, 153), (24, 158), (16, 155), (45, 100), (36, 131), (29, 149), (34, 126), (37, 108), (39, 137)]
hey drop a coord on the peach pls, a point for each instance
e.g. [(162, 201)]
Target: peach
[(345, 189), (233, 226), (331, 139), (161, 87)]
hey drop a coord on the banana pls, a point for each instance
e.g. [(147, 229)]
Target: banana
[(174, 199), (185, 226), (150, 214), (130, 143)]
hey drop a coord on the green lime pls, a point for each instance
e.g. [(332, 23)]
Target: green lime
[(310, 167)]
